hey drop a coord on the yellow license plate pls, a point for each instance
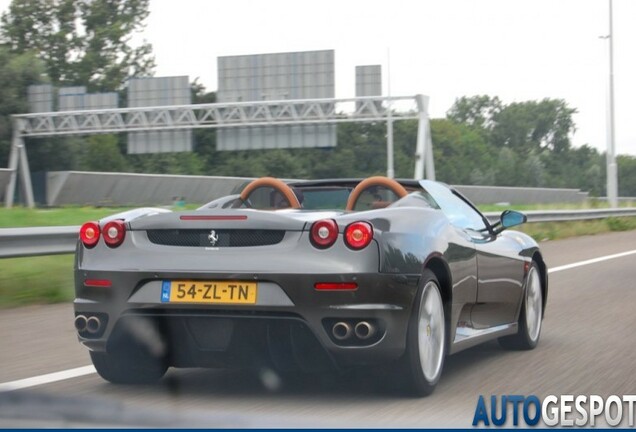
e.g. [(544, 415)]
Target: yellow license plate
[(214, 292)]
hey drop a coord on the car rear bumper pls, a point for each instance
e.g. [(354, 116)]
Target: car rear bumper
[(287, 304)]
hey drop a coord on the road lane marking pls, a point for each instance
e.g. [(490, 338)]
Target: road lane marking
[(47, 378), (591, 261), (88, 370)]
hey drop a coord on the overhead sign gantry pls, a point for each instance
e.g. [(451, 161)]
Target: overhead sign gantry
[(217, 115)]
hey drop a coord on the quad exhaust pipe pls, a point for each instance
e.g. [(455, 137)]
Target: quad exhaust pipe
[(90, 324), (343, 330), (93, 324), (80, 323), (364, 330)]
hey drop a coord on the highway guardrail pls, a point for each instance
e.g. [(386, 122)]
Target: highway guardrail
[(25, 242), (568, 215)]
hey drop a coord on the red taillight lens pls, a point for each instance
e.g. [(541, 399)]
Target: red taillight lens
[(89, 234), (324, 233), (98, 283), (114, 233), (358, 235), (336, 286)]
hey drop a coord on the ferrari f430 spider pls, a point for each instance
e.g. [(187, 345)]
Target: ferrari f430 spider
[(305, 275)]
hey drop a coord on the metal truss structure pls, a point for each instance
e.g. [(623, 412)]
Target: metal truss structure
[(217, 115)]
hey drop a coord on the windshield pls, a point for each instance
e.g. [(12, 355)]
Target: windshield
[(323, 198), (458, 211)]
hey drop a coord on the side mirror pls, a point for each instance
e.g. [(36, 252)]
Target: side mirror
[(511, 218)]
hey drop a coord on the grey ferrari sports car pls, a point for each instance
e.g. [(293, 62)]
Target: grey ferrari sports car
[(306, 275)]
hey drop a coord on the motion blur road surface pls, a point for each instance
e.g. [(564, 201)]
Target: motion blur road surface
[(588, 346)]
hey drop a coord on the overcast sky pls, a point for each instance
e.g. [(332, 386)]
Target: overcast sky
[(515, 49)]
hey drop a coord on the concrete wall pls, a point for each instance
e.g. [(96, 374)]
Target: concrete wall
[(114, 189), (5, 176)]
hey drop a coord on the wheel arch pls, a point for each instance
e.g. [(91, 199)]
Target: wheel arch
[(440, 269), (543, 270)]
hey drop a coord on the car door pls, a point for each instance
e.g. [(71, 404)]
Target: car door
[(500, 282), (499, 266)]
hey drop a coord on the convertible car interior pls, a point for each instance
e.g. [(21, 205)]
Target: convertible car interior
[(268, 193)]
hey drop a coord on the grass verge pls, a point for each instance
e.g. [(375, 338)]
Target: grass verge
[(24, 217), (19, 217), (542, 231), (36, 280)]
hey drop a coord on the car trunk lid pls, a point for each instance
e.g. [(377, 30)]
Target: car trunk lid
[(224, 228)]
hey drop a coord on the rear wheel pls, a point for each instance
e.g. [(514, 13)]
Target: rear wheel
[(135, 354), (531, 316), (123, 367), (426, 339)]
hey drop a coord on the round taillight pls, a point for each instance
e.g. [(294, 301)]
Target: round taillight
[(89, 234), (358, 235), (324, 233), (114, 233)]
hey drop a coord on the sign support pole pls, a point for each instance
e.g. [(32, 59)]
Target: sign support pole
[(424, 145)]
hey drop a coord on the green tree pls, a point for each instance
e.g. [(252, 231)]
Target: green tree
[(101, 153), (185, 163), (54, 154), (506, 168), (205, 139), (478, 111), (593, 181), (461, 152), (582, 167), (531, 141), (530, 126), (361, 151), (17, 72), (405, 141), (533, 126), (532, 172), (82, 42), (626, 175), (484, 176)]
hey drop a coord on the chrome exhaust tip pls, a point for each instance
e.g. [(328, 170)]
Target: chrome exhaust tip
[(342, 330), (364, 330), (80, 323), (93, 324)]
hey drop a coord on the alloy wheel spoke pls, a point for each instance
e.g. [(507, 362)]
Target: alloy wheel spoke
[(431, 328), (533, 306)]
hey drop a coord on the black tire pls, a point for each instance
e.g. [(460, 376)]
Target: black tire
[(424, 373), (527, 337), (128, 368)]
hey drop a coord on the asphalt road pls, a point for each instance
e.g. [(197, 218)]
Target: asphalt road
[(588, 346)]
